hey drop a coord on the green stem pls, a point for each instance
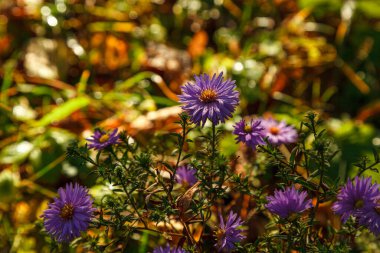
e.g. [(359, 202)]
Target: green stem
[(130, 198), (158, 231), (180, 145), (132, 201), (318, 189), (180, 149), (88, 159), (212, 158), (213, 144), (47, 168), (289, 247), (367, 168)]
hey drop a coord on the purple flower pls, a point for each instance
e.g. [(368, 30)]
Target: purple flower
[(287, 202), (249, 133), (355, 197), (371, 217), (228, 233), (186, 175), (101, 139), (278, 132), (213, 99), (167, 249), (69, 214)]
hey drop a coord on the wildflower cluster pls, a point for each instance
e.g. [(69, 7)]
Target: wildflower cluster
[(181, 197), (360, 198), (254, 132)]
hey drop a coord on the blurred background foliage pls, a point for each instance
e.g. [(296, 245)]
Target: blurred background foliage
[(70, 65)]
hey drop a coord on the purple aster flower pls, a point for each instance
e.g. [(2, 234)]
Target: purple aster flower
[(228, 233), (371, 217), (355, 197), (213, 99), (287, 202), (101, 139), (249, 133), (278, 132), (186, 175), (167, 249), (69, 214)]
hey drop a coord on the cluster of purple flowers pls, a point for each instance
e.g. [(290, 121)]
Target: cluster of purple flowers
[(71, 213), (360, 199), (228, 233), (254, 132), (215, 99)]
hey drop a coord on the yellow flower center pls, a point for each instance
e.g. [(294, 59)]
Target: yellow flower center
[(67, 211), (377, 209), (292, 216), (220, 233), (359, 204), (104, 138), (247, 128), (274, 130), (208, 96)]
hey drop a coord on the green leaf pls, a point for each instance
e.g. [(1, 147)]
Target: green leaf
[(164, 101), (167, 165), (132, 81), (8, 185), (177, 135), (369, 8), (63, 111), (82, 85), (293, 156), (327, 5), (375, 155), (186, 156), (7, 79), (144, 242)]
